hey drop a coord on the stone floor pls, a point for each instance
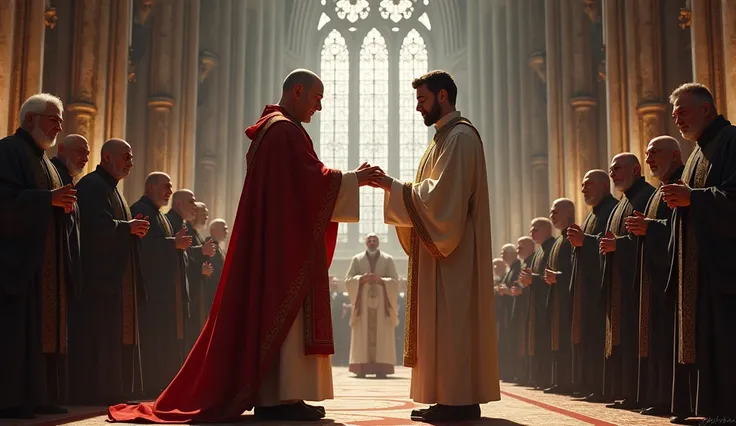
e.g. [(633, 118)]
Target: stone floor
[(385, 402)]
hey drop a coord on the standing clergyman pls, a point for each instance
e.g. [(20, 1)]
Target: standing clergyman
[(373, 286)]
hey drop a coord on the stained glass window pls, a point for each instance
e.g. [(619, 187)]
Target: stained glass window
[(414, 135), (352, 10), (334, 135), (374, 113), (395, 10)]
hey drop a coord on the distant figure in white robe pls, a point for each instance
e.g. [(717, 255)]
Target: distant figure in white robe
[(373, 286)]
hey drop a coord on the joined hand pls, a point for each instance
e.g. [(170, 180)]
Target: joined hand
[(368, 175), (676, 194)]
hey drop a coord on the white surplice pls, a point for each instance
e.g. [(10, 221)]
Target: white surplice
[(385, 343), (297, 376), (456, 355)]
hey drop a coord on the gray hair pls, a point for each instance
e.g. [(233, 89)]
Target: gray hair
[(38, 104), (699, 92)]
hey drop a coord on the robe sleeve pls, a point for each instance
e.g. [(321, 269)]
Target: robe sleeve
[(437, 207), (97, 212), (347, 206), (352, 280), (391, 281)]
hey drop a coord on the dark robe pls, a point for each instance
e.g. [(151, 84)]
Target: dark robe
[(588, 313), (210, 286), (520, 328), (163, 315), (197, 282), (539, 349), (35, 257), (621, 294), (704, 241), (103, 322), (341, 328), (656, 307), (74, 260), (559, 311), (504, 307)]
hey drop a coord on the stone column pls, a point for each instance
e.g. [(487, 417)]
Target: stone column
[(584, 121), (707, 44), (502, 178), (225, 87), (188, 101), (22, 34), (536, 150), (616, 77), (517, 166), (728, 19), (548, 68), (528, 82)]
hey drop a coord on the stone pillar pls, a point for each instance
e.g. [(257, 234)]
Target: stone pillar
[(22, 34), (225, 87), (706, 34), (584, 121), (502, 178), (728, 19), (528, 82), (548, 68), (616, 77), (536, 151), (518, 177), (188, 102)]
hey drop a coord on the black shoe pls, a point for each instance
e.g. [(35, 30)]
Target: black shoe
[(319, 408), (626, 404), (683, 420), (419, 412), (452, 413), (595, 397), (289, 412), (50, 409), (17, 413), (656, 411)]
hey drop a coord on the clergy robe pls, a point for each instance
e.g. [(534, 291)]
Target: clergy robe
[(519, 326), (656, 306), (269, 335), (704, 241), (209, 286), (375, 314), (443, 223), (559, 310), (504, 304), (401, 314), (163, 315), (73, 258), (35, 257), (539, 348), (621, 293), (103, 326), (588, 311)]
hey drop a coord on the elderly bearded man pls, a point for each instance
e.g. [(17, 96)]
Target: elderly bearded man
[(372, 283)]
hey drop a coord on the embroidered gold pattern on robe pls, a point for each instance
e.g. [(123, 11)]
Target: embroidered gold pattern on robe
[(613, 307), (578, 287), (419, 234)]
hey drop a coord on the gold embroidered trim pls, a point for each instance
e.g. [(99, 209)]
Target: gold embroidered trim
[(613, 308)]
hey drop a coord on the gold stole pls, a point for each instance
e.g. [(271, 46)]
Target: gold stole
[(53, 272), (613, 307), (644, 290), (577, 301), (695, 175), (128, 290), (168, 233), (552, 264), (418, 231)]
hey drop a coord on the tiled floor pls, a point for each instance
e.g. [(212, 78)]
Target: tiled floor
[(385, 402)]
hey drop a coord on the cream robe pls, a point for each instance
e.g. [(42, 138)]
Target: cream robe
[(385, 325), (457, 361), (297, 376)]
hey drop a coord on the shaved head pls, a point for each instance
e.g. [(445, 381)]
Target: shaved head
[(218, 230), (301, 95), (541, 229), (625, 169), (114, 146), (201, 215), (117, 158), (499, 267), (663, 156), (155, 177), (524, 247), (595, 187), (73, 151), (562, 213), (183, 203), (159, 188), (508, 253), (302, 77)]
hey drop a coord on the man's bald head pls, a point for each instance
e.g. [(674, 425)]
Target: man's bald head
[(73, 151), (508, 253), (301, 94), (625, 169), (562, 213), (201, 215), (159, 188), (524, 247), (595, 187), (116, 158), (540, 230), (663, 156), (499, 267), (183, 203), (218, 230)]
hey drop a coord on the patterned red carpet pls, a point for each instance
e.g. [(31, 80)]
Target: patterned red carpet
[(368, 402)]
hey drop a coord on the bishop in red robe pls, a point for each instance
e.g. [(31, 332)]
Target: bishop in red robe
[(267, 341)]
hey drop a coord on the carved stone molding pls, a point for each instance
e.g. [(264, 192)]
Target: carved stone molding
[(538, 63), (591, 9), (646, 109), (583, 102), (685, 18), (160, 103), (50, 18), (207, 62)]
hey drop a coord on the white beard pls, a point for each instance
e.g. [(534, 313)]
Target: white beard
[(42, 140)]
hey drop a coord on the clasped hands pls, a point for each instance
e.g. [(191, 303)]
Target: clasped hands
[(370, 277), (373, 176)]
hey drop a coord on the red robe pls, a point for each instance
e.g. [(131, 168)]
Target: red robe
[(282, 243)]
